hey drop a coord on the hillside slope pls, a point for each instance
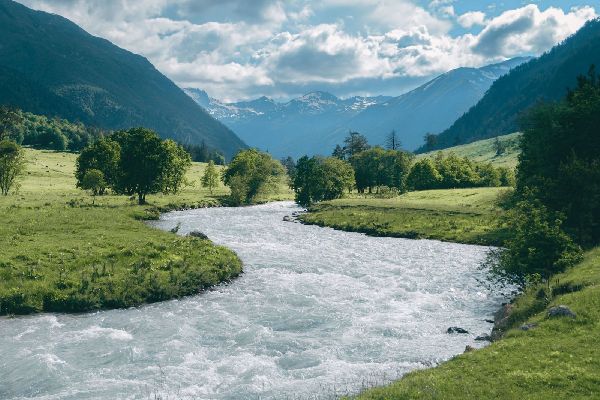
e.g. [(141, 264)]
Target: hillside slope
[(50, 66), (546, 78), (485, 151)]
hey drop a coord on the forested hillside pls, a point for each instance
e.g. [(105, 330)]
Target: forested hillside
[(546, 78), (50, 66)]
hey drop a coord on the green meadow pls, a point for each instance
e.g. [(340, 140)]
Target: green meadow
[(62, 253), (484, 151), (454, 215)]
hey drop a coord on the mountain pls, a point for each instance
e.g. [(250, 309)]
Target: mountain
[(546, 78), (317, 121), (429, 108), (50, 66), (293, 128)]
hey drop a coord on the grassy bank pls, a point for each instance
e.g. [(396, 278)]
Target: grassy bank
[(457, 215), (61, 253), (484, 151), (559, 358)]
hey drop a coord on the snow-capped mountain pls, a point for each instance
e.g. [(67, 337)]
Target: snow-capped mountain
[(315, 122)]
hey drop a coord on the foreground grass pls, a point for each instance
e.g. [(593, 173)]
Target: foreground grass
[(457, 215), (61, 253), (484, 151), (557, 359)]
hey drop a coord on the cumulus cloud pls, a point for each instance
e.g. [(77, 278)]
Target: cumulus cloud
[(529, 30), (472, 18), (238, 49)]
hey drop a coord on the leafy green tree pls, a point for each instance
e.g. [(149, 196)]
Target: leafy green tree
[(339, 152), (377, 167), (537, 246), (104, 156), (456, 172), (290, 167), (252, 173), (93, 180), (507, 176), (499, 146), (320, 179), (12, 165), (431, 141), (560, 158), (489, 176), (354, 144), (10, 119), (144, 163), (210, 178), (176, 164), (424, 175)]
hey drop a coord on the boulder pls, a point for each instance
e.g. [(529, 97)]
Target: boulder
[(469, 349), (527, 327), (484, 338), (287, 218), (198, 234), (456, 329), (561, 311)]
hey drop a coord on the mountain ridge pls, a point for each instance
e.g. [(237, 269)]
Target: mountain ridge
[(546, 78), (53, 67), (315, 122)]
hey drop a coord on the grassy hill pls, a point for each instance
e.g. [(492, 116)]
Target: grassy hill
[(485, 151), (61, 253)]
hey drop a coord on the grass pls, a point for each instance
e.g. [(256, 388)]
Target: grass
[(557, 359), (457, 215), (484, 151), (61, 253)]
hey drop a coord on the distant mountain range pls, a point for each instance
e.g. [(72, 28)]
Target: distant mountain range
[(546, 78), (50, 66), (317, 121)]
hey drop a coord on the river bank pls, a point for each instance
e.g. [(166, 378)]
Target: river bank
[(535, 356), (456, 215), (62, 253)]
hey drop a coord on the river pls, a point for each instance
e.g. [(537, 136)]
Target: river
[(317, 313)]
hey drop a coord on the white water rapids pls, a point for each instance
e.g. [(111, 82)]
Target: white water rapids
[(317, 313)]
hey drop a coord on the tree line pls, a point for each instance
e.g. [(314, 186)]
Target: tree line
[(357, 165)]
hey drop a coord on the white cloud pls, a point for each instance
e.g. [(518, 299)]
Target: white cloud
[(472, 18), (239, 49)]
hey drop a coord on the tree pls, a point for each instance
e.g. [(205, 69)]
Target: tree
[(392, 141), (424, 175), (12, 165), (499, 146), (456, 172), (104, 156), (320, 179), (93, 180), (9, 119), (430, 141), (210, 178), (560, 158), (489, 176), (176, 164), (290, 167), (339, 152), (354, 144), (252, 173), (537, 244)]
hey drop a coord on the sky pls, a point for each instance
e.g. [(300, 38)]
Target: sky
[(244, 49)]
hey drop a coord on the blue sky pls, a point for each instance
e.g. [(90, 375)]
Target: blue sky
[(241, 49)]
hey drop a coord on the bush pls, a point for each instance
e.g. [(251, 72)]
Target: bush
[(538, 245)]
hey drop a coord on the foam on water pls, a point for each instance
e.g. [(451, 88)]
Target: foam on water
[(317, 313)]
